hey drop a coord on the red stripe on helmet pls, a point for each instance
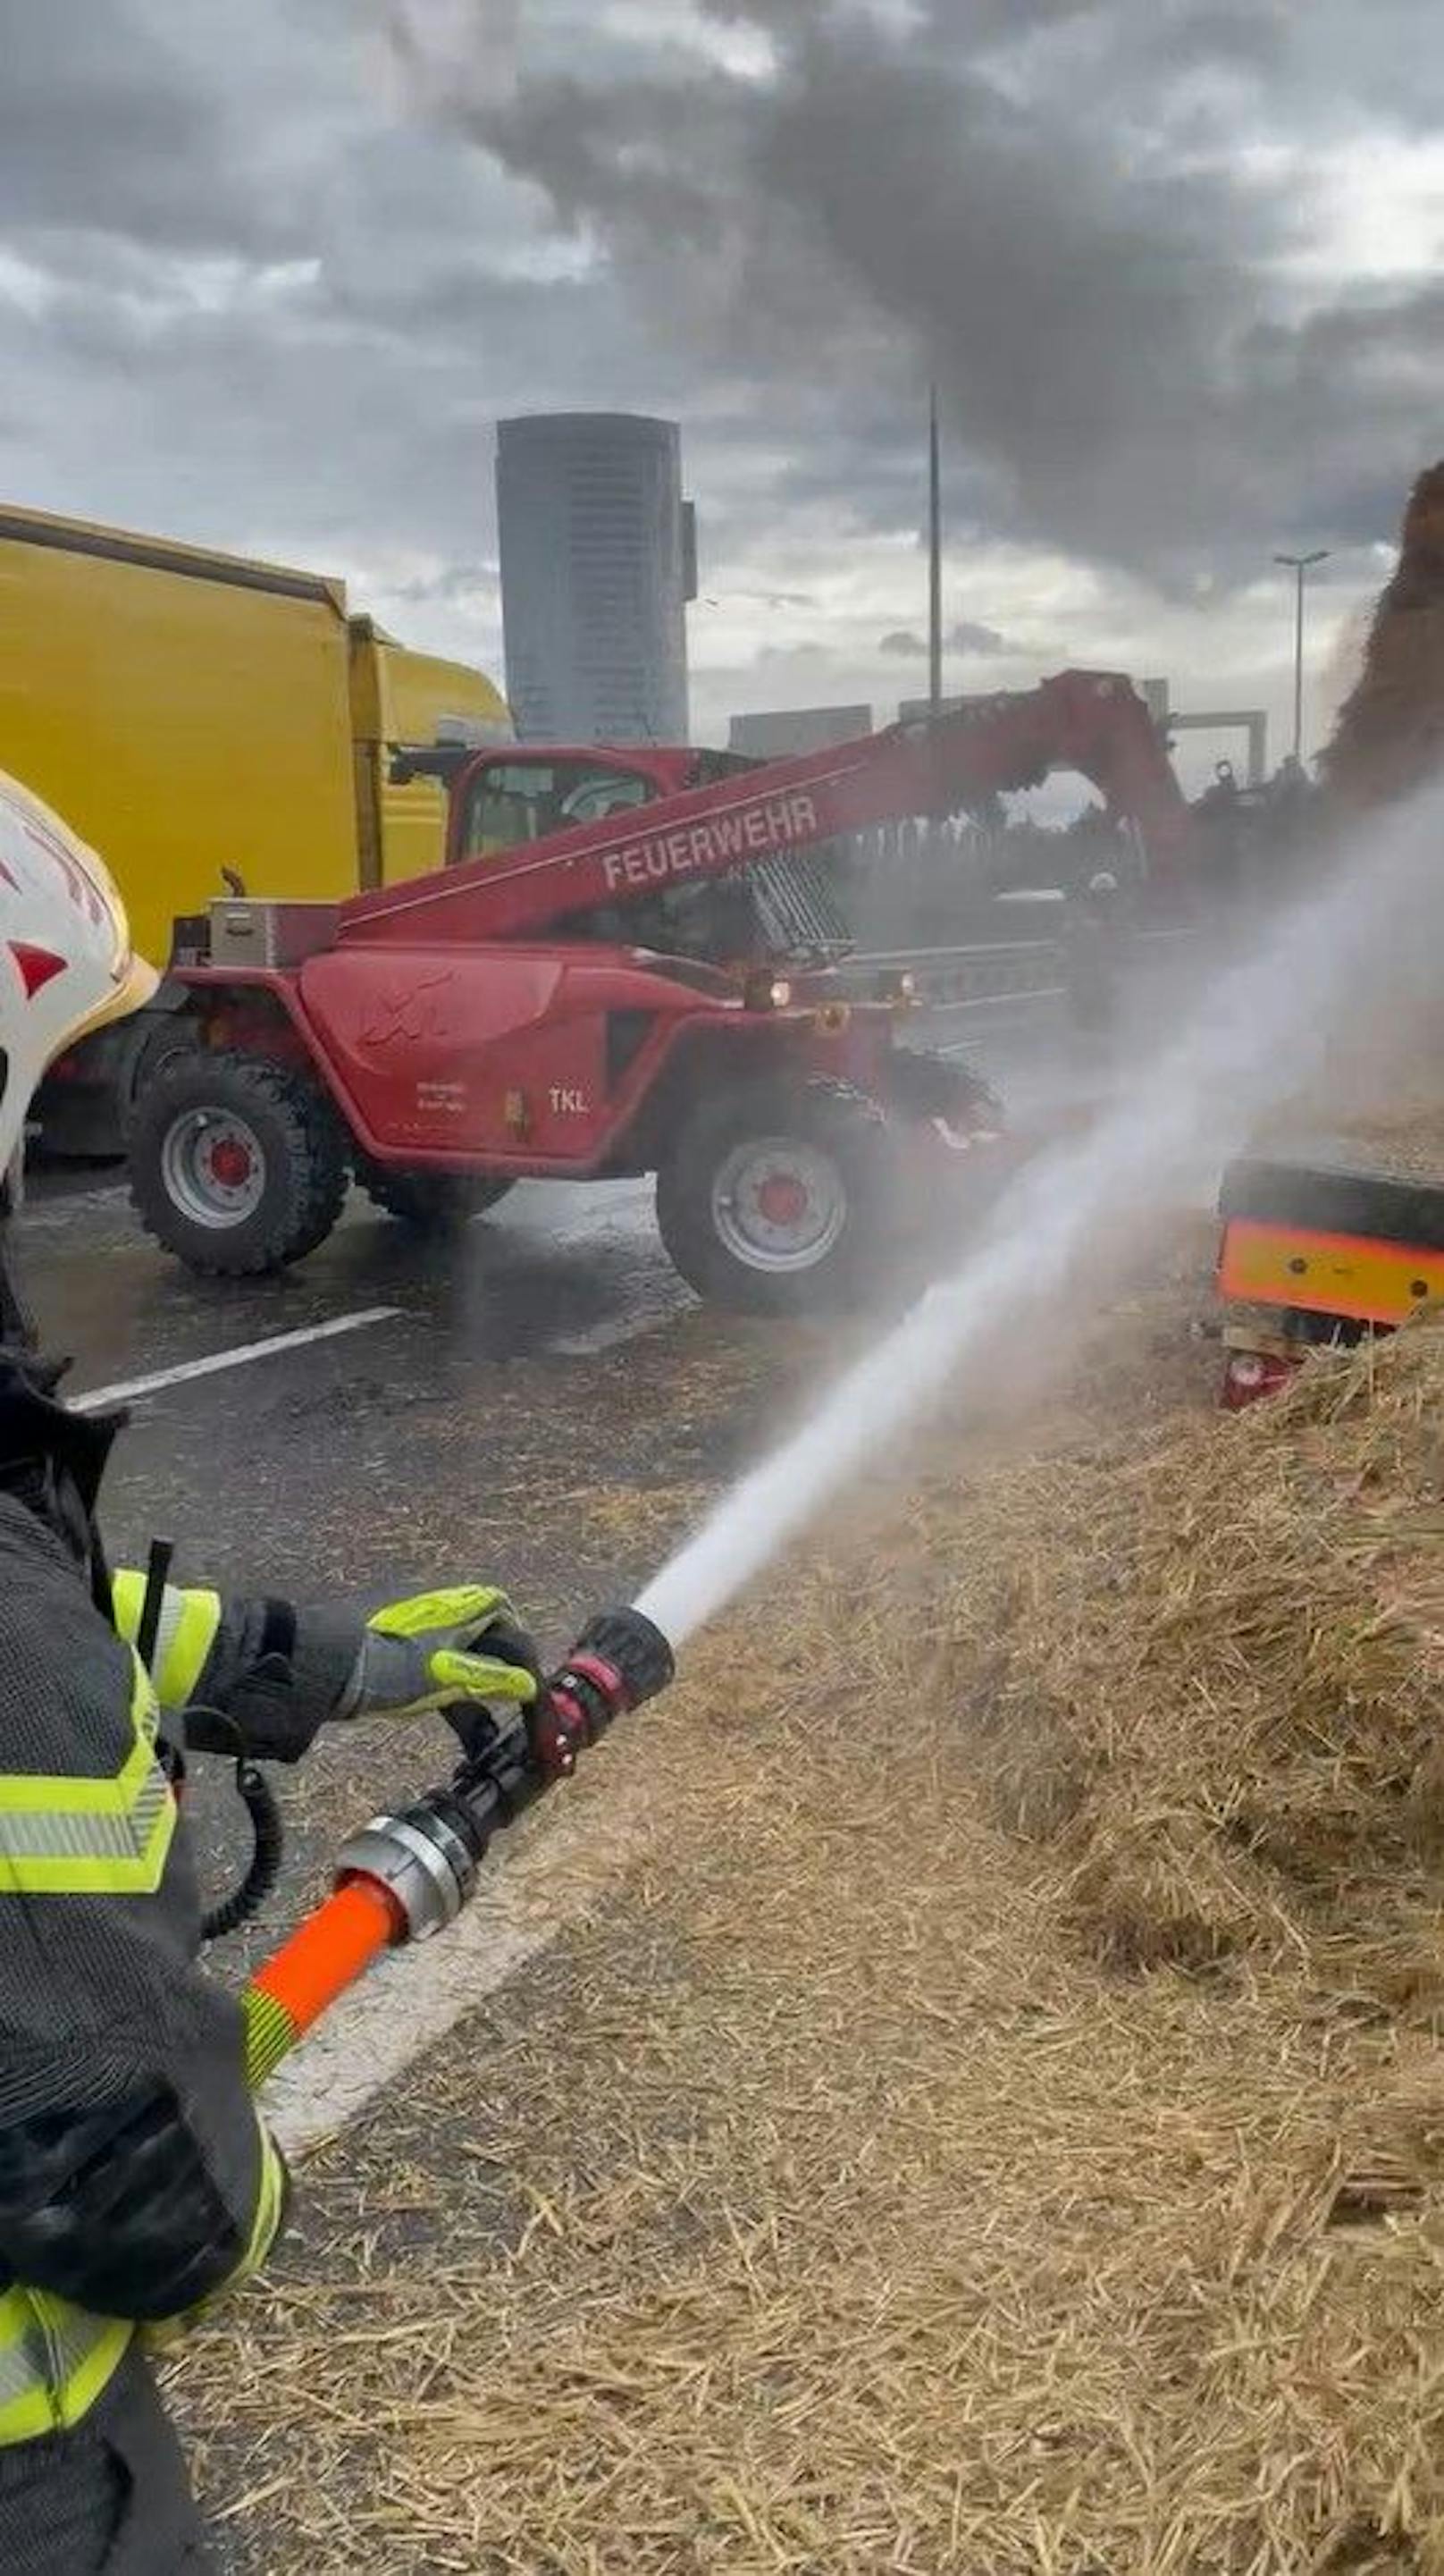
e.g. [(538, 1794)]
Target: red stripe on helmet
[(38, 966)]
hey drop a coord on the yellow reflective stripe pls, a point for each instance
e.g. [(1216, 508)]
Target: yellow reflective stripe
[(54, 2361), (25, 1793), (185, 1649), (189, 1621), (60, 1836), (269, 2204), (127, 1600), (130, 1864), (61, 1793), (270, 2035), (107, 2340)]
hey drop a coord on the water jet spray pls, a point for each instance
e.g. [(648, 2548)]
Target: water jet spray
[(1258, 1031)]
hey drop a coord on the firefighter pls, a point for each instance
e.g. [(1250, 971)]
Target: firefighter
[(1091, 941), (138, 2181)]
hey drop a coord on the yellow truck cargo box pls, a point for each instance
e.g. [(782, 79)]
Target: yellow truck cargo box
[(400, 696), (198, 716), (186, 712), (192, 713)]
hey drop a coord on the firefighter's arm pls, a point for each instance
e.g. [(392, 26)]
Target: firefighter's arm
[(267, 1675), (136, 2178), (144, 2207)]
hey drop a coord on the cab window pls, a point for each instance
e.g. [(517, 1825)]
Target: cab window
[(523, 800)]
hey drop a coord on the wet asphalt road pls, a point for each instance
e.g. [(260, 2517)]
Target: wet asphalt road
[(547, 1406), (548, 1356)]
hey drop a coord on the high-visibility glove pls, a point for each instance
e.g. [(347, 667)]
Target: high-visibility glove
[(441, 1648), (266, 1676)]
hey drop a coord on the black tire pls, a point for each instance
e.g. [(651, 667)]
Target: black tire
[(721, 1255), (429, 1202), (282, 1208), (174, 1040)]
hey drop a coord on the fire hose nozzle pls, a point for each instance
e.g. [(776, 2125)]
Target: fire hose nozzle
[(425, 1859), (406, 1876), (620, 1659), (634, 1648)]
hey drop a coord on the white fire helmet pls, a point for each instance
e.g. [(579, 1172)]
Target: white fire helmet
[(66, 962)]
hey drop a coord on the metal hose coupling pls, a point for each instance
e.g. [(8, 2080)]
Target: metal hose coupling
[(425, 1858), (620, 1659)]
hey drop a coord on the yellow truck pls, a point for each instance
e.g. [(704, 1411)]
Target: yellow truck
[(203, 718)]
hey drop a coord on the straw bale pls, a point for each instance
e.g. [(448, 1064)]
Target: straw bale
[(1390, 732)]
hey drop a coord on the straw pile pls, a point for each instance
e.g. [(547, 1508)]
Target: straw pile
[(1390, 733), (997, 2128), (1214, 1677)]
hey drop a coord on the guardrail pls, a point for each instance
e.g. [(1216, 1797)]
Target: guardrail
[(984, 972), (969, 978)]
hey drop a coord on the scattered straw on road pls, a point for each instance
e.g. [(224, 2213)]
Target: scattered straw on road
[(999, 2126)]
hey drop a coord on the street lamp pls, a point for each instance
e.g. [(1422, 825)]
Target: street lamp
[(935, 559), (1300, 566)]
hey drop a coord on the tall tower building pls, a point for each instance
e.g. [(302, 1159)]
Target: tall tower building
[(598, 561)]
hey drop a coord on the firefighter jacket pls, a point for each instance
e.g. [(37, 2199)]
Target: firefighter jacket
[(135, 2174), (136, 2177)]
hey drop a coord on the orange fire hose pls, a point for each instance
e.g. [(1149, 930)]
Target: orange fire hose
[(326, 1954)]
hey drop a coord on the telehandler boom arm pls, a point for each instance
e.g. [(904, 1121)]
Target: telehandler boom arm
[(1091, 721)]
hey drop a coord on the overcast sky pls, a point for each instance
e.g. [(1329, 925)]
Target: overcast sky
[(268, 275)]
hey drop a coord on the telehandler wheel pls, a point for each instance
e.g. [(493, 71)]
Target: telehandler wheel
[(174, 1040), (775, 1198), (236, 1164), (429, 1202)]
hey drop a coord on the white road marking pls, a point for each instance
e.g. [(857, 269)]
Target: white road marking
[(410, 2000), (99, 1397)]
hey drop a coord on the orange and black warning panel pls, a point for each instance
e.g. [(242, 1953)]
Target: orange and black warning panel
[(1361, 1245)]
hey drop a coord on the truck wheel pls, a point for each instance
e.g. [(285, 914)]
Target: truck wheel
[(774, 1199), (429, 1202), (236, 1165), (173, 1040)]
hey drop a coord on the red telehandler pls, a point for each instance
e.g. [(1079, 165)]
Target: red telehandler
[(518, 1015)]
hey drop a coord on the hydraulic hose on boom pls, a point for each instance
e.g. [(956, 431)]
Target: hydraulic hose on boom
[(408, 1875)]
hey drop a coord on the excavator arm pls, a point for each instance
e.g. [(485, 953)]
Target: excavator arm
[(1091, 721)]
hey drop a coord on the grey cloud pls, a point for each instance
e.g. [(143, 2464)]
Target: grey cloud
[(1102, 312), (1328, 58), (276, 278), (164, 129), (107, 151), (809, 648), (964, 636), (463, 581), (264, 307)]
